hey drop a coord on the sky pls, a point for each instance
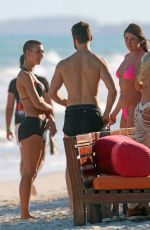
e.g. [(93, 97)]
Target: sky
[(103, 11)]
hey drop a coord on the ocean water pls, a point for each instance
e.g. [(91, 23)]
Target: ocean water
[(56, 48)]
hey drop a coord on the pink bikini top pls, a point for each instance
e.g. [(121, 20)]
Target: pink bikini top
[(128, 74)]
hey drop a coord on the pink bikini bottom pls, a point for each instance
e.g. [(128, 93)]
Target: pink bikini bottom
[(125, 113)]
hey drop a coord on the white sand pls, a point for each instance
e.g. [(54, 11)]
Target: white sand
[(50, 207)]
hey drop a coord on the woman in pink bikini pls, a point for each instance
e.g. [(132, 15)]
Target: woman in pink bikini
[(127, 72), (129, 97)]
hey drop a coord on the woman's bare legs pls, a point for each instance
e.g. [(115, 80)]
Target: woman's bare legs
[(32, 151), (130, 121), (123, 122), (40, 165), (33, 188), (42, 157), (21, 161)]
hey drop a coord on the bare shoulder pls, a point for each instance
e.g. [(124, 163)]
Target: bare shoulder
[(101, 61), (128, 55), (60, 64), (23, 76), (98, 58), (69, 59), (63, 63)]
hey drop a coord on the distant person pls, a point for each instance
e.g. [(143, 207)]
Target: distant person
[(81, 74), (38, 118), (127, 73)]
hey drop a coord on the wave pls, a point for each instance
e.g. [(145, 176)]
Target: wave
[(115, 60), (47, 69), (52, 57)]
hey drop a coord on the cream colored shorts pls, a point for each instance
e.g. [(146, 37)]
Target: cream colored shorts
[(16, 133), (142, 123)]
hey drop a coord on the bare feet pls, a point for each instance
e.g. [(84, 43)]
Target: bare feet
[(26, 217), (33, 190)]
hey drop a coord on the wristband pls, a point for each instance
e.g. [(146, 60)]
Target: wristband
[(8, 129)]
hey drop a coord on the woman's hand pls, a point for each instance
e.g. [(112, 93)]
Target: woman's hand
[(112, 120), (138, 86), (9, 134), (106, 118), (51, 125)]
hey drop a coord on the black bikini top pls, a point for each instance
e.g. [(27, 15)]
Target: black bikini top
[(39, 87)]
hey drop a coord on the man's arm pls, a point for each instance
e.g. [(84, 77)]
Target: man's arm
[(109, 83), (55, 85), (8, 114)]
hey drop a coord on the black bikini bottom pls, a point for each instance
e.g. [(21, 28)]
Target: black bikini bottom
[(31, 126)]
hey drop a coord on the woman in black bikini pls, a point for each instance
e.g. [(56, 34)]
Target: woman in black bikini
[(38, 118)]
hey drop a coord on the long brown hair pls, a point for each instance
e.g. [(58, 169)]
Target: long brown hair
[(138, 32)]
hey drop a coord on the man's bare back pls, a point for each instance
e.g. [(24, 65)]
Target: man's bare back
[(81, 74)]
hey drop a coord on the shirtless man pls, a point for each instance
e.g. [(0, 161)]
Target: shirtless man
[(81, 74)]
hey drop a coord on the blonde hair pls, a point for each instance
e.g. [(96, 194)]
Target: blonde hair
[(145, 68)]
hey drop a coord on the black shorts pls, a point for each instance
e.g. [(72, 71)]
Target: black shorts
[(81, 119), (31, 126)]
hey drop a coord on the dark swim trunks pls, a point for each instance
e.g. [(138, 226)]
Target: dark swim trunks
[(81, 119), (31, 126)]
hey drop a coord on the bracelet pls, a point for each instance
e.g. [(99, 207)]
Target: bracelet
[(8, 129)]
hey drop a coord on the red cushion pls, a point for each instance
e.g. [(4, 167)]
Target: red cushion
[(103, 148), (131, 159)]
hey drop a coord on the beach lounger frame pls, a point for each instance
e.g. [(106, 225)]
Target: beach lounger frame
[(89, 203)]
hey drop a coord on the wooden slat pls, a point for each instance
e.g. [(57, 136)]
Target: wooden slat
[(85, 150), (91, 137), (123, 131), (84, 138), (116, 198), (87, 167), (88, 172)]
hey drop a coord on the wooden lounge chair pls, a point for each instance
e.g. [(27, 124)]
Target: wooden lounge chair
[(90, 190)]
